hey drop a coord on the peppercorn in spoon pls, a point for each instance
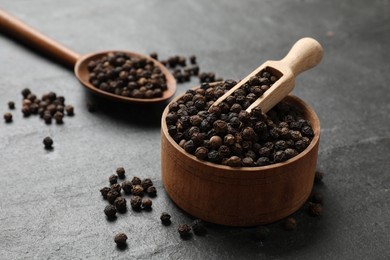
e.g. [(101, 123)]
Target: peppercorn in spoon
[(305, 54), (118, 75)]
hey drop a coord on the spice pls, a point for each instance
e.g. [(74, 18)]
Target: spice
[(113, 179), (227, 134), (11, 105), (146, 183), (165, 219), (110, 211), (147, 204), (48, 143), (136, 202), (317, 197), (104, 191), (290, 223), (127, 187), (184, 230), (120, 239), (69, 110), (198, 227), (120, 171), (315, 209), (138, 190), (136, 181), (112, 195), (8, 117), (120, 204), (129, 76), (151, 191), (117, 187), (58, 116)]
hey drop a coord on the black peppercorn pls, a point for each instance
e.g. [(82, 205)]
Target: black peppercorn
[(137, 190), (315, 209), (215, 142), (8, 117), (147, 204), (58, 116), (198, 227), (120, 239), (317, 197), (69, 110), (127, 187), (120, 204), (280, 156), (11, 105), (113, 179), (110, 211), (136, 181), (120, 171), (117, 187), (193, 59), (290, 223), (214, 156), (112, 195), (151, 191), (48, 142), (104, 192), (262, 161), (165, 219), (146, 183), (234, 161), (184, 230), (201, 153), (154, 55), (26, 92), (136, 202)]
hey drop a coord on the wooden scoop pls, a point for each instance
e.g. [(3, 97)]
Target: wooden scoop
[(305, 54), (79, 63)]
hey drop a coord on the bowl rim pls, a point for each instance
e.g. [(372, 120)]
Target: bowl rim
[(307, 110)]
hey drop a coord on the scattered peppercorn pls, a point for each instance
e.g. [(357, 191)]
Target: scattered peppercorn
[(48, 142), (198, 227), (315, 209), (127, 187), (146, 183), (120, 239), (110, 211), (117, 187), (69, 110), (184, 230), (138, 190), (113, 179), (120, 204), (120, 171), (104, 192), (8, 117), (147, 204), (151, 191), (112, 195), (136, 202), (136, 181), (317, 197), (11, 105), (165, 219), (290, 223)]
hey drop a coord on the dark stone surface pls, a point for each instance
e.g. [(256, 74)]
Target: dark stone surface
[(50, 205)]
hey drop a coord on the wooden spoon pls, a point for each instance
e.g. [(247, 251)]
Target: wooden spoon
[(305, 54), (37, 40)]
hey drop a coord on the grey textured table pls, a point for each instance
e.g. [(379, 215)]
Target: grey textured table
[(50, 205)]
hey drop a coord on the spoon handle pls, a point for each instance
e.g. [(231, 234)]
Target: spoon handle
[(304, 54), (35, 39)]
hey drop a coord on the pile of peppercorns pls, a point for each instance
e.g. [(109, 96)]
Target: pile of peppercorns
[(183, 73), (227, 134), (136, 187), (127, 76), (49, 107)]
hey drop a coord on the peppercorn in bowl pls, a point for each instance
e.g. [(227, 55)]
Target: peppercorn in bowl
[(230, 167)]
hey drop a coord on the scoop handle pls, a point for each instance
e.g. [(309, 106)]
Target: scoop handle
[(35, 39), (304, 54)]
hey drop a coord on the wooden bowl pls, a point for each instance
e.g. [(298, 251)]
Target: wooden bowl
[(246, 196)]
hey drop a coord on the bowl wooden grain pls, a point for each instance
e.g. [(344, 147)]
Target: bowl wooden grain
[(245, 196)]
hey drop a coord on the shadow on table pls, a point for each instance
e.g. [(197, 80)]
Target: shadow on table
[(146, 115)]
